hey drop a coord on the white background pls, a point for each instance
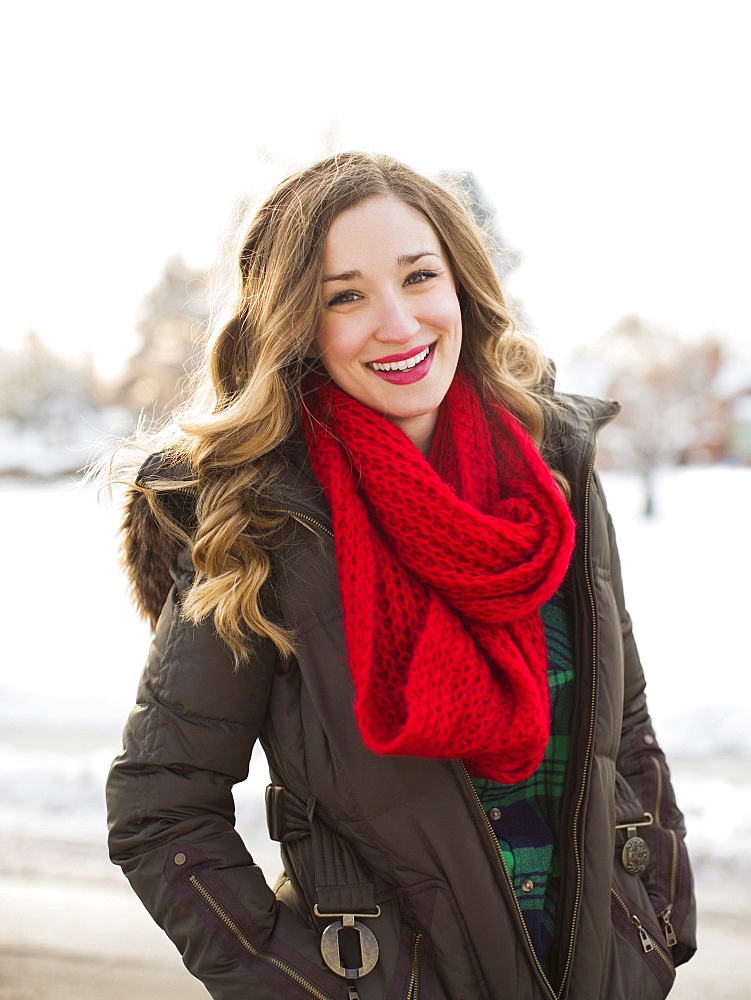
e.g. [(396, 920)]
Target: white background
[(612, 138)]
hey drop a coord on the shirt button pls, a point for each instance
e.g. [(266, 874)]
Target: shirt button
[(527, 885), (495, 813)]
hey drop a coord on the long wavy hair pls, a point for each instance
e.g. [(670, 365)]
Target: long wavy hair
[(246, 396)]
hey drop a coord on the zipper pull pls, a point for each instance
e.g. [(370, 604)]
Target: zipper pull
[(670, 935), (352, 991), (646, 941)]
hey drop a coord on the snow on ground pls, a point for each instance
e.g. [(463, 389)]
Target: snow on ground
[(686, 578), (69, 441), (73, 650)]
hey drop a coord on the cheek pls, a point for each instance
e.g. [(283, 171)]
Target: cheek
[(325, 340), (339, 340), (448, 315)]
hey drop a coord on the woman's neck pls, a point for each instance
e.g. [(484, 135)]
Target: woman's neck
[(420, 430)]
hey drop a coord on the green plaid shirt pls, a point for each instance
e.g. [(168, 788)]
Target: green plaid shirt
[(526, 816)]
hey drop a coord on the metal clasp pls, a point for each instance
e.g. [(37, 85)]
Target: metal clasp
[(349, 948), (630, 827)]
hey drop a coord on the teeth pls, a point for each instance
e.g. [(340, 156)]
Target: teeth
[(400, 366)]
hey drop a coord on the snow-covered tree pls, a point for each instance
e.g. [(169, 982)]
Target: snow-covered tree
[(174, 316), (43, 390), (50, 411)]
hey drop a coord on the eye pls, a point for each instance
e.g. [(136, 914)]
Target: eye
[(342, 298), (420, 277)]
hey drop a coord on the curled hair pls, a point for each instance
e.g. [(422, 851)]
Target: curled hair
[(247, 394)]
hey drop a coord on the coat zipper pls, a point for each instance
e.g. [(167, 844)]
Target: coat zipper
[(248, 945), (666, 915), (591, 732), (509, 881), (648, 943), (585, 768), (305, 518), (658, 794), (413, 990)]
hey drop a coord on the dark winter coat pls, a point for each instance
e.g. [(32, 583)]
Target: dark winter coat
[(449, 927)]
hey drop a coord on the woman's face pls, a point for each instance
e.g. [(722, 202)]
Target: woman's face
[(391, 326)]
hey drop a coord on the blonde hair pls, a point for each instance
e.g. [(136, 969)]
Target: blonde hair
[(247, 394)]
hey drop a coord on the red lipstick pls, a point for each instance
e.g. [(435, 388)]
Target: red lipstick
[(408, 375), (391, 358)]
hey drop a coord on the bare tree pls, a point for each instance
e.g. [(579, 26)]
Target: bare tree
[(667, 391)]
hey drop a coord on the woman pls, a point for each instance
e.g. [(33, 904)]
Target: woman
[(357, 555)]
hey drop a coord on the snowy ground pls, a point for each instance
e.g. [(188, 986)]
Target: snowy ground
[(73, 650)]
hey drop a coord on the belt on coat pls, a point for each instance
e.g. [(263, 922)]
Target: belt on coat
[(342, 883), (343, 888)]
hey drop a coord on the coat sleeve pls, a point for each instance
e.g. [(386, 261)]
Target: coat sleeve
[(171, 814), (645, 786)]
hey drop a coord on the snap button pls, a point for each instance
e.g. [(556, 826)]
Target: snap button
[(635, 854), (649, 740), (495, 813), (527, 885), (180, 859)]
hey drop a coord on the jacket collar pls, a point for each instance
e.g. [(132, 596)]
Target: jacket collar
[(296, 489)]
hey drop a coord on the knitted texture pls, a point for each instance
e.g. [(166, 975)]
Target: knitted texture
[(443, 566)]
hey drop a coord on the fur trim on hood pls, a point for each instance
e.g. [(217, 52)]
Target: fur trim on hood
[(147, 546)]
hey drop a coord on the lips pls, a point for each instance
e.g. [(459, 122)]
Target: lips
[(400, 362), (396, 358), (403, 369)]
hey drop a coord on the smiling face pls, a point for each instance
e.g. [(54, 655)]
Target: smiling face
[(391, 328)]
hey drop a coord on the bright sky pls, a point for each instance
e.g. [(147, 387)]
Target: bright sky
[(613, 139)]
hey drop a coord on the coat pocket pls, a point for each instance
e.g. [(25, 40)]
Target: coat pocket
[(415, 975), (406, 979), (406, 966), (272, 959), (650, 846), (668, 879), (405, 969), (635, 926)]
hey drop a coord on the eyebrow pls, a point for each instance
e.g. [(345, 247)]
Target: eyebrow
[(404, 261)]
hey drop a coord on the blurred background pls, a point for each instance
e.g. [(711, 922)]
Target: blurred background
[(605, 145)]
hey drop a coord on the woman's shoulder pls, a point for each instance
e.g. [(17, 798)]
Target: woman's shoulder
[(573, 412), (571, 417), (160, 514), (295, 486), (158, 518), (168, 484), (573, 420)]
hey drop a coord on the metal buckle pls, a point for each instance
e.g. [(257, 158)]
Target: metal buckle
[(367, 943)]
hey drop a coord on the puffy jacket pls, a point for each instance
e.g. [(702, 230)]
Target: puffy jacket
[(407, 833)]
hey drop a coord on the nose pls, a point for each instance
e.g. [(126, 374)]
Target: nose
[(396, 322)]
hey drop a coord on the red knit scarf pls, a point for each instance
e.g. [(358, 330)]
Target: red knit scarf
[(443, 566)]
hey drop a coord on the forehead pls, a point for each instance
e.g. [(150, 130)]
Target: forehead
[(381, 228)]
